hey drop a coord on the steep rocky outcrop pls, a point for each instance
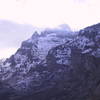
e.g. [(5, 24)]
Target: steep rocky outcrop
[(54, 66)]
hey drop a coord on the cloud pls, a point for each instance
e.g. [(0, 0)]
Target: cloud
[(11, 34)]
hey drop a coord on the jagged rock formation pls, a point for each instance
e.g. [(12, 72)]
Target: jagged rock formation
[(54, 66)]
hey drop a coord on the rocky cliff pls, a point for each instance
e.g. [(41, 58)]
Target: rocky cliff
[(55, 65)]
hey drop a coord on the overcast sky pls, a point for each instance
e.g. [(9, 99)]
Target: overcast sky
[(11, 36), (49, 13), (41, 13)]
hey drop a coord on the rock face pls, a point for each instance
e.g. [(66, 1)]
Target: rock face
[(54, 65)]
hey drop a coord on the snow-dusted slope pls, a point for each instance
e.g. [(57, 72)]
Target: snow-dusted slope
[(55, 65), (15, 32), (34, 51), (40, 44), (88, 40)]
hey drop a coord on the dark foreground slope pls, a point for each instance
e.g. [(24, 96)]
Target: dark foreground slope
[(68, 70)]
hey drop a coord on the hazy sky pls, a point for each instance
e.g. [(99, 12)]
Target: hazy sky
[(11, 36), (48, 13), (42, 13)]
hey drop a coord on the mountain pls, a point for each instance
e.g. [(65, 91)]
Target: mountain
[(54, 65)]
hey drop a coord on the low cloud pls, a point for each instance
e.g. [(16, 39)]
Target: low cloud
[(11, 36)]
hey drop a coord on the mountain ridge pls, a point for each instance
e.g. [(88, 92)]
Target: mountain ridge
[(54, 66)]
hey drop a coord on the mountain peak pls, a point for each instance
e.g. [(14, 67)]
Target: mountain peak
[(35, 35), (54, 66), (95, 27)]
